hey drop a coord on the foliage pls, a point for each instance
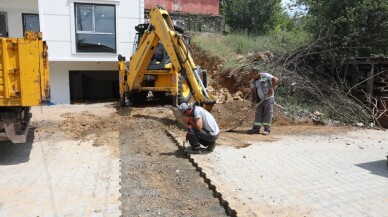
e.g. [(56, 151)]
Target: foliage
[(198, 24), (278, 42), (229, 47), (304, 89), (310, 50), (348, 28), (214, 46), (252, 16)]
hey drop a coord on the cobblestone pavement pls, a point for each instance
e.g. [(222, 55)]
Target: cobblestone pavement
[(54, 176), (303, 175), (290, 174)]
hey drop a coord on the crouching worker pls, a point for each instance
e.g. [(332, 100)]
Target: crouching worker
[(202, 128)]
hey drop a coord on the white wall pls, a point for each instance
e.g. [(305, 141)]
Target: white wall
[(59, 77), (58, 27), (14, 10)]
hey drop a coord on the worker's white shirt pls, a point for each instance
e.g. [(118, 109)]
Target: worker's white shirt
[(262, 85), (208, 121)]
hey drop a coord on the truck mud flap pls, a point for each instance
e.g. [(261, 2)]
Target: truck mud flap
[(16, 130)]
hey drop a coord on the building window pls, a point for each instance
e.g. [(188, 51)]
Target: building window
[(95, 28), (30, 23), (3, 24)]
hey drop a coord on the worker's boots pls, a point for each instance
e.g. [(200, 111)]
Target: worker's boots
[(254, 130), (193, 150), (267, 130), (191, 137), (211, 146)]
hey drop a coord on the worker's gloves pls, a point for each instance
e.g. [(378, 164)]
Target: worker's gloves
[(191, 122), (255, 105)]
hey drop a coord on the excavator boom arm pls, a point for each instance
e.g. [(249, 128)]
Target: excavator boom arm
[(161, 29)]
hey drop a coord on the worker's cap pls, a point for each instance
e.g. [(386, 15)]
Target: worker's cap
[(183, 107)]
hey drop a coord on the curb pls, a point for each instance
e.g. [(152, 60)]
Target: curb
[(229, 211)]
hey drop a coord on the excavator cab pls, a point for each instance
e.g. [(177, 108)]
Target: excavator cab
[(160, 58)]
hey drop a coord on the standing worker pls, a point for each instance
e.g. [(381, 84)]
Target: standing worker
[(264, 85), (202, 128)]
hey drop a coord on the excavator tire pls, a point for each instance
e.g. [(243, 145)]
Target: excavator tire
[(184, 93), (122, 100), (174, 100)]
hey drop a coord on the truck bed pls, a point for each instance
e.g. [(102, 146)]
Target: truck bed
[(24, 72)]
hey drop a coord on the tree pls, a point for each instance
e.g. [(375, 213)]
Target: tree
[(349, 28), (253, 16)]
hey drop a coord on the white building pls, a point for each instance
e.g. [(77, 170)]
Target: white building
[(84, 39)]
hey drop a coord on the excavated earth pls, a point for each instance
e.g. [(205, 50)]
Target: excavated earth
[(156, 177)]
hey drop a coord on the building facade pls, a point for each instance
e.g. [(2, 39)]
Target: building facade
[(84, 38)]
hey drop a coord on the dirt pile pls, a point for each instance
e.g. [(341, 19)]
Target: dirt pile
[(78, 126), (232, 113), (242, 113), (232, 90)]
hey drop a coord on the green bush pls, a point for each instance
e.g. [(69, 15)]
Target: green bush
[(276, 42), (253, 16), (229, 47)]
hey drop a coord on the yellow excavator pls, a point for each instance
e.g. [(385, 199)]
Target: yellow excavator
[(162, 64)]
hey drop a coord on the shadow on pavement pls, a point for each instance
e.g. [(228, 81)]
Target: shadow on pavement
[(177, 153), (11, 154), (379, 167), (165, 121), (237, 131)]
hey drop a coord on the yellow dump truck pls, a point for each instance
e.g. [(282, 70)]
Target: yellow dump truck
[(24, 82)]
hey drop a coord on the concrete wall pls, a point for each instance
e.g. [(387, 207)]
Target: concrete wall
[(200, 22)]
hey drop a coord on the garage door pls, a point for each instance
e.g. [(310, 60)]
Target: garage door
[(93, 86)]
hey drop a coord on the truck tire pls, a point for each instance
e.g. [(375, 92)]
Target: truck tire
[(184, 93)]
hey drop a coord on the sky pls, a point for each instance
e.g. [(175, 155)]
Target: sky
[(290, 11), (284, 2)]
